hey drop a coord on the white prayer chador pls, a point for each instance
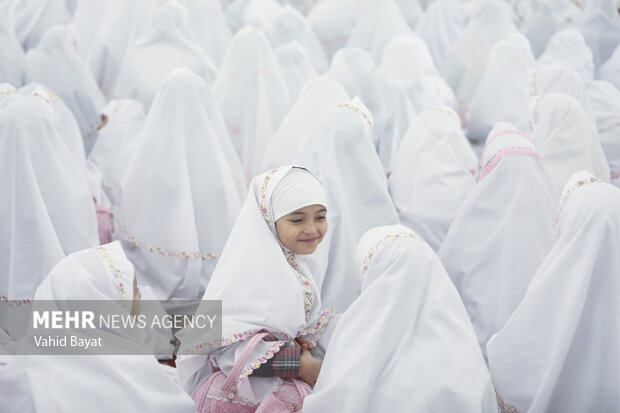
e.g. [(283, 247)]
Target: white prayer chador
[(411, 11), (32, 18), (605, 100), (600, 25), (502, 94), (502, 231), (333, 22), (267, 289), (559, 351), (566, 138), (116, 142), (252, 95), (568, 48), (296, 67), (51, 175), (93, 383), (319, 96), (421, 353), (610, 70), (167, 43), (378, 22), (179, 196), (12, 64), (290, 25), (56, 64), (432, 173), (339, 150), (555, 78), (440, 27)]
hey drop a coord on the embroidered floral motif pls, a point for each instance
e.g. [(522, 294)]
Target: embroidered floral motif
[(576, 185), (263, 197), (109, 188), (358, 110), (165, 252), (379, 243), (117, 273), (249, 369), (7, 92), (505, 407), (326, 314), (42, 95), (15, 303), (305, 282), (503, 133), (206, 347), (492, 162)]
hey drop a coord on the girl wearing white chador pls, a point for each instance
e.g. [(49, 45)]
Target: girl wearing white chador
[(600, 25), (566, 138), (559, 351), (610, 70), (180, 193), (92, 383), (12, 65), (440, 27), (556, 78), (568, 48), (500, 234), (432, 173), (263, 285), (252, 95), (425, 361), (32, 18), (339, 150), (333, 22), (296, 67)]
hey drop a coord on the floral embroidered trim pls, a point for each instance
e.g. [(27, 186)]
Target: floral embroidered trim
[(42, 95), (207, 347), (505, 407), (7, 92), (492, 162), (263, 197), (506, 132), (242, 402), (15, 303), (326, 314), (576, 185), (165, 252), (307, 285), (117, 273), (249, 369), (358, 110), (109, 188), (379, 243)]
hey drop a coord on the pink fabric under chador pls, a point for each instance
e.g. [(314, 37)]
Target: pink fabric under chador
[(105, 223)]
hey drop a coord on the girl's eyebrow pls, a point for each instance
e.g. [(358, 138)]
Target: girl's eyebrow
[(321, 210), (297, 213)]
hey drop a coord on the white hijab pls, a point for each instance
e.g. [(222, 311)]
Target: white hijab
[(339, 150), (296, 67), (432, 173), (278, 295), (333, 22), (605, 100), (502, 93), (421, 352), (32, 18), (116, 142), (12, 65), (610, 70), (290, 25), (600, 25), (252, 95), (93, 383), (566, 138), (70, 78), (568, 48), (559, 79), (559, 350), (179, 195), (502, 231), (167, 43), (319, 96), (440, 27), (46, 204)]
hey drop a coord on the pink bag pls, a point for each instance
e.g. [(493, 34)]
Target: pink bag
[(219, 393)]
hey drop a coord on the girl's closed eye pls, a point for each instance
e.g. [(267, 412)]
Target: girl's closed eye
[(296, 220)]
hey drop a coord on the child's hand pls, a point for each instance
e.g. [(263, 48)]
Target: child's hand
[(310, 367), (304, 343)]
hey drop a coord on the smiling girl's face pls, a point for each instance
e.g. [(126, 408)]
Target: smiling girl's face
[(302, 230)]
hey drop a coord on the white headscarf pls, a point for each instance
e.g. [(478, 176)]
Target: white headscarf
[(70, 79), (566, 138), (116, 142), (290, 25), (333, 22), (296, 67), (559, 79), (32, 18), (167, 43), (406, 343), (252, 95), (432, 173), (610, 70), (179, 195), (502, 93), (267, 289), (319, 96), (12, 64), (502, 232), (339, 150), (605, 100), (559, 350), (440, 27), (568, 48), (93, 383), (600, 25)]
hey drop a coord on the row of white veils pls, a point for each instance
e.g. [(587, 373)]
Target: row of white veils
[(457, 124)]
